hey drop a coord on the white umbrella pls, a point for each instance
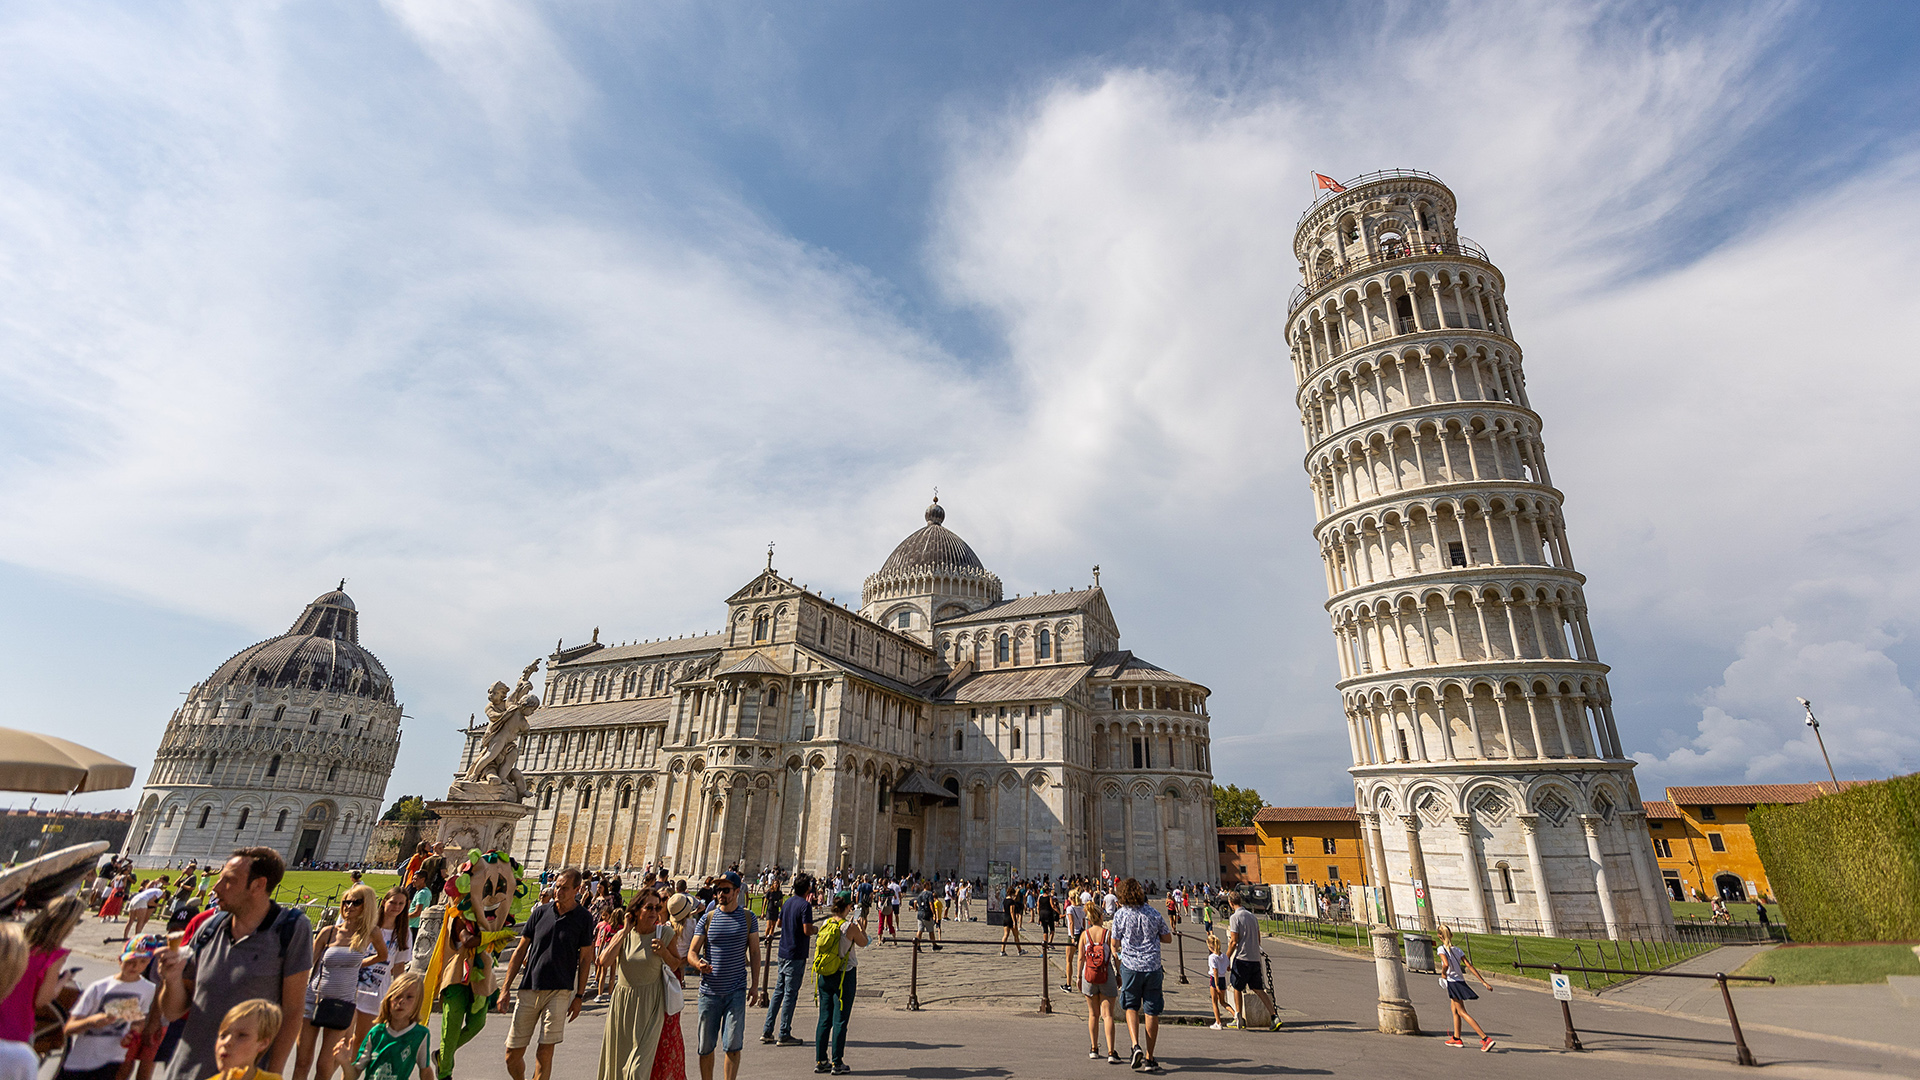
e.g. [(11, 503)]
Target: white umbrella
[(30, 761)]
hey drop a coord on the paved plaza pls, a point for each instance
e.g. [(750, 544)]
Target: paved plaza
[(979, 1018)]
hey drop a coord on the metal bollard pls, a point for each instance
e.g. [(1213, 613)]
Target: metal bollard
[(1741, 1054), (913, 979), (1180, 948), (1046, 992)]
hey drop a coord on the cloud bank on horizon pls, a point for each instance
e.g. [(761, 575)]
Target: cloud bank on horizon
[(513, 315)]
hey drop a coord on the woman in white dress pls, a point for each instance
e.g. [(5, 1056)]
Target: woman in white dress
[(377, 976)]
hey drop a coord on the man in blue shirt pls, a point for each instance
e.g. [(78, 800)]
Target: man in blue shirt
[(726, 950), (1140, 930), (796, 926)]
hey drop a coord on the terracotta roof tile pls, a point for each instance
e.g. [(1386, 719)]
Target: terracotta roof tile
[(1753, 794), (1307, 813), (1237, 830), (1660, 809)]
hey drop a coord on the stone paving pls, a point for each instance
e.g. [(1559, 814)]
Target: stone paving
[(979, 1019)]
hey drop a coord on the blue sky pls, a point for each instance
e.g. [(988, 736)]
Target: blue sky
[(530, 319)]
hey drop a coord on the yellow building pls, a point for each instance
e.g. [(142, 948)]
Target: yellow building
[(1702, 842), (1309, 845)]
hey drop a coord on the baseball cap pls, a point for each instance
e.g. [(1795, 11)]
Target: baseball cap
[(731, 878), (146, 946)]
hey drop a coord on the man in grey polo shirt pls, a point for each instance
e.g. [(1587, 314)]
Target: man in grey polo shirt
[(253, 949)]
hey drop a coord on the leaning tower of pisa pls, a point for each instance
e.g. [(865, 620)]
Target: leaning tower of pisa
[(1487, 768)]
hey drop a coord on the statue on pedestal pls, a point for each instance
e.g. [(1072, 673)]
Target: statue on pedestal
[(495, 771)]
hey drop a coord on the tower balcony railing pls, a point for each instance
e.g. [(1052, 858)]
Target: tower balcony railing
[(1320, 200), (1398, 251)]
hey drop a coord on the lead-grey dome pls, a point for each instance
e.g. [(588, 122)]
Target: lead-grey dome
[(320, 651), (935, 547), (934, 561)]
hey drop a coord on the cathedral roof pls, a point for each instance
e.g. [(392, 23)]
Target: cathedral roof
[(641, 650), (320, 651), (1019, 684), (934, 547), (1123, 666), (651, 710), (1023, 607)]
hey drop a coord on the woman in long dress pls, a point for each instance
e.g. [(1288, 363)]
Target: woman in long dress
[(639, 1009)]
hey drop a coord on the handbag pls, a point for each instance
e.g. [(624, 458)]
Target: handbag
[(676, 995), (334, 1014)]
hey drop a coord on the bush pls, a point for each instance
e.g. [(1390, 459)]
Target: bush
[(1847, 865)]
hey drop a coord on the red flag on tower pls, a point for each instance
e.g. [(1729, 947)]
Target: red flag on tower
[(1327, 183)]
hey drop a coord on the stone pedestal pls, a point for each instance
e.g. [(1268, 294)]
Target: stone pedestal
[(1396, 1009), (485, 824)]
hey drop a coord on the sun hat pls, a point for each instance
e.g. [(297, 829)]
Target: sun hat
[(679, 906)]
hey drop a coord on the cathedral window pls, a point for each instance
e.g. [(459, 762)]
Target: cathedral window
[(273, 766), (1140, 753), (246, 710), (1456, 553), (1506, 882), (979, 804), (1002, 649), (626, 797), (205, 813), (245, 812), (346, 721), (333, 772), (314, 718), (170, 812), (212, 761), (1013, 739), (823, 629), (586, 798), (905, 620), (760, 624), (1046, 645), (280, 823), (546, 799), (959, 739), (279, 713), (773, 696)]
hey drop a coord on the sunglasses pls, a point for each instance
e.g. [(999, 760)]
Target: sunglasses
[(352, 903), (727, 889)]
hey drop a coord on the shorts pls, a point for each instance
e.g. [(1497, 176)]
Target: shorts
[(1460, 991), (1108, 989), (1246, 975), (1216, 982), (545, 1009), (1047, 925), (928, 925), (718, 1011), (1141, 990)]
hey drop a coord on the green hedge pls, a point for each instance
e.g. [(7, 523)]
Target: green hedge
[(1847, 865)]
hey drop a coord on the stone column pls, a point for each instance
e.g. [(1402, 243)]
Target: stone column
[(1396, 1013), (1542, 890), (1652, 892), (1590, 824), (1377, 855), (1417, 870), (1470, 862)]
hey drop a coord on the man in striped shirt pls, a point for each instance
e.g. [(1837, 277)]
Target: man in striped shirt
[(726, 950)]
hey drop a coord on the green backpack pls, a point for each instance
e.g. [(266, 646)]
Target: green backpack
[(826, 948)]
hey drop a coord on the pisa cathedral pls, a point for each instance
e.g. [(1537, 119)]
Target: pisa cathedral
[(936, 729), (1486, 761), (288, 744)]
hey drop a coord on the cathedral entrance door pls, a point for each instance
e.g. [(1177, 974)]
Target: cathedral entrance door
[(309, 843), (902, 850)]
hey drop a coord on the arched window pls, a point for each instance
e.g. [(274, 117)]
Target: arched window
[(205, 813), (773, 696), (212, 760), (317, 813), (586, 798), (280, 823), (1003, 649), (245, 813), (546, 799), (960, 739), (823, 629), (1014, 741), (1046, 644), (315, 718), (246, 710), (626, 797), (279, 713), (760, 626), (170, 812), (886, 791), (273, 766), (333, 772), (346, 721)]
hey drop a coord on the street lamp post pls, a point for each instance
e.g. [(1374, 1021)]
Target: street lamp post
[(1814, 723)]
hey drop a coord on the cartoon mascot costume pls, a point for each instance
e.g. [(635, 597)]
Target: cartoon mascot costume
[(477, 925)]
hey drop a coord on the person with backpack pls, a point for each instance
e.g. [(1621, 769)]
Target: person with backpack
[(254, 948), (1099, 980), (929, 921), (836, 966)]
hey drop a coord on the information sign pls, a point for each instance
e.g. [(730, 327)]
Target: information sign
[(1563, 986)]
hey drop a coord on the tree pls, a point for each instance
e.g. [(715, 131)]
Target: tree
[(1235, 807), (407, 808)]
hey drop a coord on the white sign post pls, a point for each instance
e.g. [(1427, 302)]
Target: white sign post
[(1563, 987)]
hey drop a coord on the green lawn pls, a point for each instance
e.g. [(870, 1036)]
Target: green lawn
[(1824, 965), (1493, 953)]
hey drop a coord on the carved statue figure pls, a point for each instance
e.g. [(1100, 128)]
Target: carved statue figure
[(507, 713), (478, 915)]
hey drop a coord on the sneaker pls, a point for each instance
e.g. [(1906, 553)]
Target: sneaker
[(1113, 1057), (936, 946), (841, 1068), (1137, 1058), (1486, 1044), (767, 1038), (1093, 1054), (1216, 1026), (789, 1040), (1276, 1023), (822, 1067), (1454, 1042), (1238, 1024)]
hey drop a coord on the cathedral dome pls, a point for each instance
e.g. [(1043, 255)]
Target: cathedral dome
[(933, 548), (320, 651), (933, 562)]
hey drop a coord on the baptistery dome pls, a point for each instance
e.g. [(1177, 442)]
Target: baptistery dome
[(288, 744)]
